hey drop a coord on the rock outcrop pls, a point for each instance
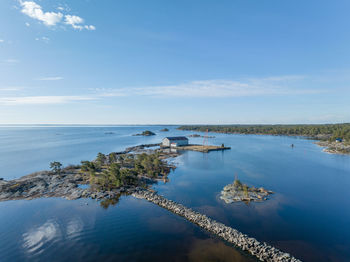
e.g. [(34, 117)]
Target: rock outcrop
[(236, 192)]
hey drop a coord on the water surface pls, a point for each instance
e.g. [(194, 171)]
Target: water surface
[(308, 216)]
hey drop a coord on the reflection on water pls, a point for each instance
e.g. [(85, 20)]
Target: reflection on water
[(208, 250), (74, 227), (36, 237), (106, 203)]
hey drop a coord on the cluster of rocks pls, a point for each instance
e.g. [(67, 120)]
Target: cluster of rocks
[(139, 148), (335, 147), (262, 251), (237, 192), (146, 133)]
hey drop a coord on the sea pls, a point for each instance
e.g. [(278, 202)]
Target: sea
[(307, 216)]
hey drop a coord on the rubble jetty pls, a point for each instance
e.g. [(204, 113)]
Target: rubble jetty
[(260, 250)]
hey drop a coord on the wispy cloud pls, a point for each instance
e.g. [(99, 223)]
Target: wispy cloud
[(35, 11), (77, 22), (41, 100), (283, 85), (271, 86), (50, 78), (2, 40), (43, 38), (10, 61), (7, 89)]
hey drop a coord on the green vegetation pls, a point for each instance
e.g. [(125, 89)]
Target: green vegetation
[(146, 133), (56, 167), (322, 132), (164, 130), (123, 170), (238, 184)]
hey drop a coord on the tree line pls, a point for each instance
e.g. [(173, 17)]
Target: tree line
[(323, 132)]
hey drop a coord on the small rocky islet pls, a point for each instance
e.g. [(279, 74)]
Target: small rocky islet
[(145, 133), (237, 192)]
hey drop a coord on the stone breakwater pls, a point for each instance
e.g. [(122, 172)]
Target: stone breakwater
[(262, 251)]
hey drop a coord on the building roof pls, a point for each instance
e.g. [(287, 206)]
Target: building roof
[(176, 138)]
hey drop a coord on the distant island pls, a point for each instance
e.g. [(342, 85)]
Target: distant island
[(146, 133), (164, 130), (335, 137)]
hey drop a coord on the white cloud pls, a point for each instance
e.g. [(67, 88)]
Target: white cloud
[(6, 89), (77, 22), (50, 78), (42, 100), (27, 24), (35, 11), (11, 61), (43, 38), (285, 85), (1, 40)]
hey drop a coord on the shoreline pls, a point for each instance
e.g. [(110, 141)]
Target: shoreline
[(338, 148), (331, 147)]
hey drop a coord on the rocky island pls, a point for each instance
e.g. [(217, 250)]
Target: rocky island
[(237, 191), (146, 133)]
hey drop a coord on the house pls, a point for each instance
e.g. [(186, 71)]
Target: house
[(175, 141)]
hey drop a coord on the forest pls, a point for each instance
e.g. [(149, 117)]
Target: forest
[(321, 132)]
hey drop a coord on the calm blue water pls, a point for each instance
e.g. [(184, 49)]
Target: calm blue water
[(308, 216)]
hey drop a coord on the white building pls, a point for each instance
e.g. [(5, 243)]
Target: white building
[(175, 141)]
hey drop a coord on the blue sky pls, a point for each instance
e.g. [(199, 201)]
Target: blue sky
[(174, 62)]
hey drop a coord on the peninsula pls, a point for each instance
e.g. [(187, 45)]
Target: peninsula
[(335, 137)]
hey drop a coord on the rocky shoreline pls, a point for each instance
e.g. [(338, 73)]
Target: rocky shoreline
[(47, 184), (262, 251), (67, 183), (237, 191), (334, 147)]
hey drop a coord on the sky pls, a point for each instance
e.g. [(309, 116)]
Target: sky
[(174, 62)]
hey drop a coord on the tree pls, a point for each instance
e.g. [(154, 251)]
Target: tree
[(101, 159), (56, 167), (112, 158)]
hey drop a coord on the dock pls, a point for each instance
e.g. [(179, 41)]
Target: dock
[(203, 148)]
